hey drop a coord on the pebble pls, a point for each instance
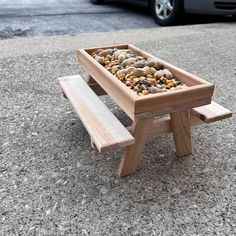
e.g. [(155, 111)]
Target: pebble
[(84, 232), (3, 169), (59, 181), (136, 233), (55, 206), (40, 178), (32, 228), (176, 191), (48, 212), (103, 191), (142, 75), (231, 136), (78, 165), (5, 144), (55, 156)]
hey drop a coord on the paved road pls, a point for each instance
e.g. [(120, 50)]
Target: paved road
[(58, 17)]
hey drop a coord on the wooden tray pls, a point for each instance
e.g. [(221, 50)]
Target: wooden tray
[(198, 92)]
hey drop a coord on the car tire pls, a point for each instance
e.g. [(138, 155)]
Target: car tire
[(96, 2), (167, 12)]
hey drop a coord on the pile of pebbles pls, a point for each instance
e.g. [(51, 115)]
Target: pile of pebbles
[(140, 74)]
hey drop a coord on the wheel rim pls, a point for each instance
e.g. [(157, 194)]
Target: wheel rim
[(164, 8)]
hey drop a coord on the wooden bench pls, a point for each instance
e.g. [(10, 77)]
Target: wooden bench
[(108, 133), (211, 113), (105, 129)]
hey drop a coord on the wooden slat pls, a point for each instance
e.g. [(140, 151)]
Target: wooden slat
[(211, 113), (118, 46), (187, 96), (171, 109), (104, 128), (162, 126)]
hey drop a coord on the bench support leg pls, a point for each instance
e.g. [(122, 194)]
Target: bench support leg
[(181, 128), (132, 154)]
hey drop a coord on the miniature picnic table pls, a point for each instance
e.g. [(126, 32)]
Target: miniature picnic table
[(186, 107)]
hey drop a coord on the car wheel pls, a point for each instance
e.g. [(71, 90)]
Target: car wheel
[(167, 12), (97, 1)]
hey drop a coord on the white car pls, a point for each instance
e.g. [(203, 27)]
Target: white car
[(168, 12)]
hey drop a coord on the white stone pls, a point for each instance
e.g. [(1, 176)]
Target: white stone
[(48, 212), (78, 165)]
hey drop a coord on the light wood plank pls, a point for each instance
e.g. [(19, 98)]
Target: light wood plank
[(104, 128), (132, 154), (118, 46), (172, 108), (161, 126), (189, 96), (212, 112), (180, 126)]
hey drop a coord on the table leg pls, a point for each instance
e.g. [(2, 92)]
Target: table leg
[(181, 128), (132, 154)]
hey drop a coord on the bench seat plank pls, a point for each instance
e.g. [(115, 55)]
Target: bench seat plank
[(105, 129), (211, 113)]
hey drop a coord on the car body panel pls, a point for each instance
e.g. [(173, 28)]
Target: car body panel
[(137, 2), (208, 7), (198, 6)]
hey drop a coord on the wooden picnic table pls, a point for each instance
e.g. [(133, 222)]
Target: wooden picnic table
[(184, 108)]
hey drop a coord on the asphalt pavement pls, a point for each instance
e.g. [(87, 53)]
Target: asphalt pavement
[(59, 17), (30, 18), (53, 183)]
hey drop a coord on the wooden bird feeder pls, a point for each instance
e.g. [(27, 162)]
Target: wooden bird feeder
[(185, 107)]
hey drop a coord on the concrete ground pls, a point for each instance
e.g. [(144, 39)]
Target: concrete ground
[(53, 183)]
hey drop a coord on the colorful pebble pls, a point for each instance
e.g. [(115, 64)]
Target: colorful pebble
[(142, 75)]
